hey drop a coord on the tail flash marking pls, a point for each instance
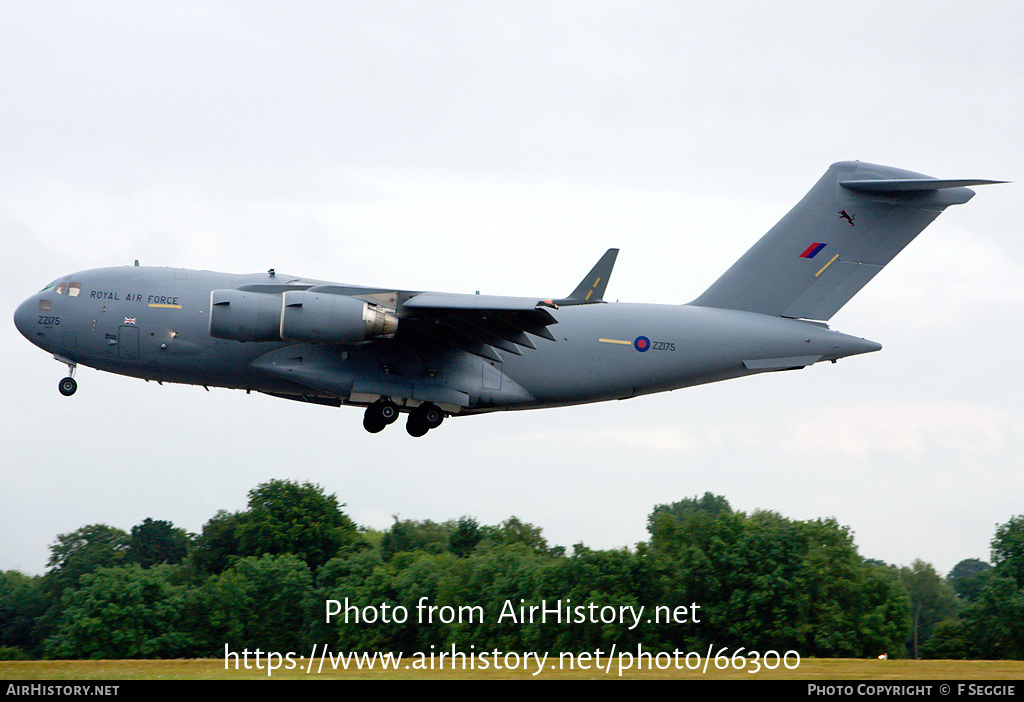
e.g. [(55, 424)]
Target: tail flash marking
[(812, 250)]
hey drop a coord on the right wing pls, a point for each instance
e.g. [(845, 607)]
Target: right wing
[(479, 324)]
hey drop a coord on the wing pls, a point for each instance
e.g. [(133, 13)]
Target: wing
[(479, 324)]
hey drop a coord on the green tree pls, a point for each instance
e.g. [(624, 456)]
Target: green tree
[(81, 552), (968, 578), (155, 542), (216, 548), (931, 601), (124, 612), (765, 580), (407, 535), (1008, 550), (950, 640), (288, 517), (464, 536), (995, 623), (708, 505), (262, 602), (22, 601), (514, 531)]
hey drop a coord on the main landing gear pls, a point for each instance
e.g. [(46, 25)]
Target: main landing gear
[(421, 419)]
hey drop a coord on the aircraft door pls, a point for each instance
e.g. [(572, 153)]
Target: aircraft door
[(492, 375), (128, 342)]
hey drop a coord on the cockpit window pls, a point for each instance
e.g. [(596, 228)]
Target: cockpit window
[(69, 289), (64, 288)]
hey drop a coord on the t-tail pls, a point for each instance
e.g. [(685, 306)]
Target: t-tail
[(844, 231)]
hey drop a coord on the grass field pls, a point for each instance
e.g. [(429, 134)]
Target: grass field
[(808, 669)]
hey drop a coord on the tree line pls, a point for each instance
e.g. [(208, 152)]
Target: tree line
[(263, 578)]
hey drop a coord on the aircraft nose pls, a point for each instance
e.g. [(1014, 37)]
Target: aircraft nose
[(24, 317)]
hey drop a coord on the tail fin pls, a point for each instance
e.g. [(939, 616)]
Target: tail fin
[(845, 230)]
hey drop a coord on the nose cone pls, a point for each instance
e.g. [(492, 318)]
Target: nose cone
[(25, 318)]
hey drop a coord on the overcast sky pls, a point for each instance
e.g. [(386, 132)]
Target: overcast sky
[(502, 147)]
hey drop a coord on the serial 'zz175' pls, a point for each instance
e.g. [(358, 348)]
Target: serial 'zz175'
[(434, 355)]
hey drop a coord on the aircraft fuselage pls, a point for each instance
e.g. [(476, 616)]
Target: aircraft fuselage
[(154, 323)]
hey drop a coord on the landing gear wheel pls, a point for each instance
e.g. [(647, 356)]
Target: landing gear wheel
[(67, 386), (380, 414), (431, 415), (386, 410), (415, 427), (424, 418), (372, 424)]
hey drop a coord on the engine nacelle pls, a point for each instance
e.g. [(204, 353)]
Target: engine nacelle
[(245, 316), (321, 318)]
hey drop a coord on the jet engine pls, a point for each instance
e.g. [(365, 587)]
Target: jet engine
[(245, 316), (321, 318), (298, 315)]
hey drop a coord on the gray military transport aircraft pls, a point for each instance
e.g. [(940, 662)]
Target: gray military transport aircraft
[(434, 355)]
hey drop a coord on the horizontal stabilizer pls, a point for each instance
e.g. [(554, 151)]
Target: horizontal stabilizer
[(913, 185)]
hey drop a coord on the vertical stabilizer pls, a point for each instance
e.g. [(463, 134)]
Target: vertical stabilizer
[(844, 231)]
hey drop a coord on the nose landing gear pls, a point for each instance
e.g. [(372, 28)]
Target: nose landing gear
[(68, 385)]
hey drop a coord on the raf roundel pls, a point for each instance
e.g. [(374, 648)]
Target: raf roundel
[(641, 344)]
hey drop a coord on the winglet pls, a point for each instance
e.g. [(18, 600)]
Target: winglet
[(592, 287)]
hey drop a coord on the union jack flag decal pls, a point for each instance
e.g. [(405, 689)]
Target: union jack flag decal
[(129, 320)]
